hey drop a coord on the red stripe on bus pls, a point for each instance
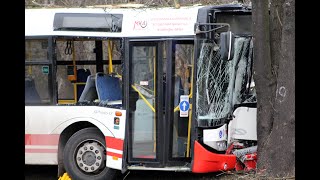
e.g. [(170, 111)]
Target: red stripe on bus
[(42, 139), (41, 150), (114, 154), (114, 143)]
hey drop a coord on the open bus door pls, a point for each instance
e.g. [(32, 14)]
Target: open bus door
[(160, 74)]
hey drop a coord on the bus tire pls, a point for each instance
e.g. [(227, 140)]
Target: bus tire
[(84, 156)]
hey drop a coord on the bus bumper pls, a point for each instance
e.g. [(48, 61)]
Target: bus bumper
[(205, 161)]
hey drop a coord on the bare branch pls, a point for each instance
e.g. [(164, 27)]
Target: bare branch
[(43, 5), (177, 4), (278, 17)]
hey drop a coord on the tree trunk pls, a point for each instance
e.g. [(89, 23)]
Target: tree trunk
[(282, 140), (264, 80), (274, 65)]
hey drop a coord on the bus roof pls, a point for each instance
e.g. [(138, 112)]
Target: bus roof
[(136, 22)]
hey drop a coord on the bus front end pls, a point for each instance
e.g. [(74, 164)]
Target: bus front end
[(224, 113)]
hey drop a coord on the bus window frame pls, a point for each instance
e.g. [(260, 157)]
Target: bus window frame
[(50, 62)]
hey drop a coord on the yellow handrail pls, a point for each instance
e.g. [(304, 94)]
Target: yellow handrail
[(144, 99), (189, 123), (110, 56)]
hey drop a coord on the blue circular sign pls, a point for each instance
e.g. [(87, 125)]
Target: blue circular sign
[(220, 134), (184, 106)]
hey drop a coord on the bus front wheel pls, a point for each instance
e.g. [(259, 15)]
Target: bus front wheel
[(84, 156)]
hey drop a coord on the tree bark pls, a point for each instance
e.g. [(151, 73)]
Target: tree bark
[(264, 80), (274, 68), (282, 142)]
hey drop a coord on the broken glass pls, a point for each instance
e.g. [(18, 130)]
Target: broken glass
[(222, 84)]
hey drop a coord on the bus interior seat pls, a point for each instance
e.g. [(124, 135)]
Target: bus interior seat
[(82, 76), (31, 93), (89, 93), (108, 87)]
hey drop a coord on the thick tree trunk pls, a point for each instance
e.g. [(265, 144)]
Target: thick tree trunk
[(274, 67), (275, 33), (282, 139), (264, 80)]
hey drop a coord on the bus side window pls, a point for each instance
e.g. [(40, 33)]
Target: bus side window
[(37, 85), (31, 93)]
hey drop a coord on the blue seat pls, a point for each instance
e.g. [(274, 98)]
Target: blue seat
[(108, 87), (82, 76)]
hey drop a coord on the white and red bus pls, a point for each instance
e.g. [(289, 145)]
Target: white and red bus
[(112, 90)]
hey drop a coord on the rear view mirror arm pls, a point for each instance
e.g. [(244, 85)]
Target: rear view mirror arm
[(221, 25)]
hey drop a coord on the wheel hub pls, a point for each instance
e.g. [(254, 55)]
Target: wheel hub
[(90, 157)]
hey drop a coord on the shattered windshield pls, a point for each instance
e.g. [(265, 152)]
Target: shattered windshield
[(222, 84)]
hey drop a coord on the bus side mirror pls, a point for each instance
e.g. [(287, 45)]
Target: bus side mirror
[(227, 45)]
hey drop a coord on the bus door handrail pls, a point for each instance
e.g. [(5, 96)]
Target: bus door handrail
[(143, 98)]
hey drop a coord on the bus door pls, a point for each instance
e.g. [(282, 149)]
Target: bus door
[(178, 102), (159, 75)]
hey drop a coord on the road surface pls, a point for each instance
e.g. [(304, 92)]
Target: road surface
[(33, 172)]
